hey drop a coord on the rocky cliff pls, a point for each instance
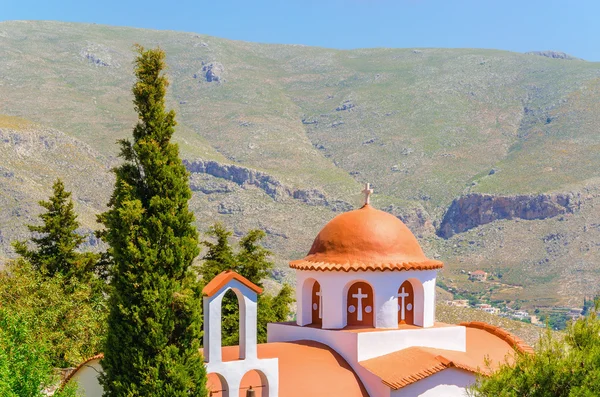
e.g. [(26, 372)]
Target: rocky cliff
[(416, 218), (270, 185), (476, 209)]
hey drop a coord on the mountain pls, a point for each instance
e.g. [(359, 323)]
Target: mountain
[(491, 157)]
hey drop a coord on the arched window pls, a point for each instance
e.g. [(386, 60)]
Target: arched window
[(257, 380), (406, 304), (217, 385), (360, 305), (317, 304), (230, 318)]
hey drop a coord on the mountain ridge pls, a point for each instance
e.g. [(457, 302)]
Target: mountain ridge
[(425, 127)]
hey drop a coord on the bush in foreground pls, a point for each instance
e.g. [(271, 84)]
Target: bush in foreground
[(566, 367)]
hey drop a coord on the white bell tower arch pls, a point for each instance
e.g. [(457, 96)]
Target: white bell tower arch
[(233, 371)]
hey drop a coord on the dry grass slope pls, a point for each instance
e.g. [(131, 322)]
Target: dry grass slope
[(422, 125), (454, 315)]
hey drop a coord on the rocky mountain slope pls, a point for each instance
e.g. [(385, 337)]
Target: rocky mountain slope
[(490, 157)]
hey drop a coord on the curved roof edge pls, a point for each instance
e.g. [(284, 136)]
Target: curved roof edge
[(223, 278), (304, 264), (98, 356), (407, 366), (513, 340), (306, 368), (488, 347)]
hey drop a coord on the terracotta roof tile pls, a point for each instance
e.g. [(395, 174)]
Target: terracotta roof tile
[(513, 340), (223, 278), (488, 347), (304, 264), (306, 368), (404, 367), (366, 239)]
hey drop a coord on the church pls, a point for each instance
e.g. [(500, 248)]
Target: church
[(365, 324)]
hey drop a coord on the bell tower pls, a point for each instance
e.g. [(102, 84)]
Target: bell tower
[(231, 372)]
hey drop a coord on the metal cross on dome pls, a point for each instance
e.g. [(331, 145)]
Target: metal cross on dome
[(367, 192)]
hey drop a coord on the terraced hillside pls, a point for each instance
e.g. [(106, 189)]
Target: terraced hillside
[(491, 157)]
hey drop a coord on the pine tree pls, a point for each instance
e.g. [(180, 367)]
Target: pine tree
[(220, 256), (251, 261), (153, 340), (58, 240)]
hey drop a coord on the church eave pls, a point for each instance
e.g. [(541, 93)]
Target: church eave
[(364, 266)]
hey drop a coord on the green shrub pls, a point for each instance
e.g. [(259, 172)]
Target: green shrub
[(70, 315), (566, 367), (25, 367)]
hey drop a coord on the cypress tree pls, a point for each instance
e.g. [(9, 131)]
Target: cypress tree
[(153, 340), (57, 240)]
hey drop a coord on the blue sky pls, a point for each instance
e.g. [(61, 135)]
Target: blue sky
[(570, 25)]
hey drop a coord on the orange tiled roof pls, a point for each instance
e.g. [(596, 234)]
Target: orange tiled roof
[(410, 365), (366, 239), (364, 266), (506, 336), (484, 342), (306, 368), (223, 278)]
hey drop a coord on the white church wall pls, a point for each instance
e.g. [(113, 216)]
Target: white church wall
[(344, 343), (429, 298), (233, 372), (87, 379), (450, 382), (334, 287), (247, 300), (359, 346), (303, 306), (371, 382), (375, 344)]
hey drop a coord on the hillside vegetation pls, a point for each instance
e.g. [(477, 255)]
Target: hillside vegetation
[(305, 127)]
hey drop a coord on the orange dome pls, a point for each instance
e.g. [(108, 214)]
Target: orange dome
[(365, 239)]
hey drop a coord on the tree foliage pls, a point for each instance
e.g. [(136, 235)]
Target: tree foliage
[(588, 304), (153, 339), (72, 320), (55, 285), (568, 367), (25, 367), (56, 241), (251, 261)]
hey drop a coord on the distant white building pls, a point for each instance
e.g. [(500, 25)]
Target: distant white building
[(520, 315), (478, 275), (491, 310), (459, 303)]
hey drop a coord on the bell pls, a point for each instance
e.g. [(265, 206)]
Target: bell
[(250, 392)]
